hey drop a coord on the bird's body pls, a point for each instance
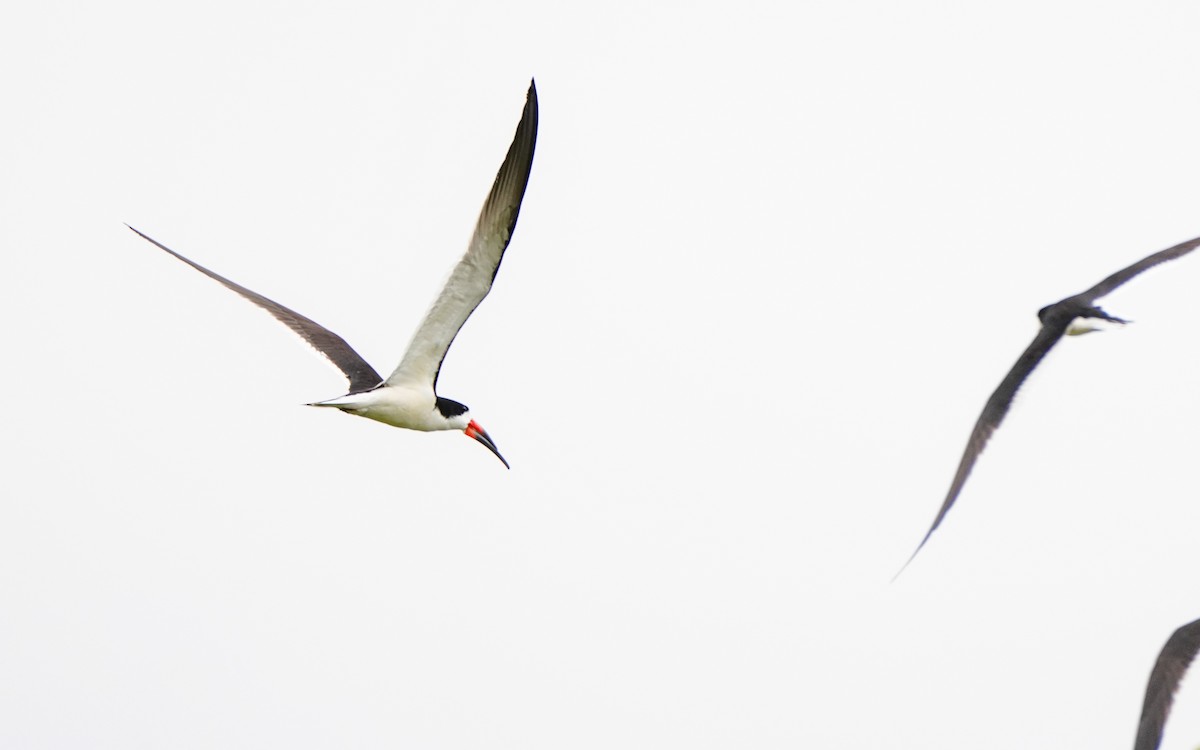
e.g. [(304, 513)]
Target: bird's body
[(408, 397), (408, 407), (1062, 318), (411, 407)]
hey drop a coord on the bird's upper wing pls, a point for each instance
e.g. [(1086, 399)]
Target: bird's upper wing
[(1125, 274), (993, 414), (472, 278), (1172, 662), (360, 374)]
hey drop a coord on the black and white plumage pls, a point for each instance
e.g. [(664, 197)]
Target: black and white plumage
[(1177, 654), (408, 397), (1057, 321)]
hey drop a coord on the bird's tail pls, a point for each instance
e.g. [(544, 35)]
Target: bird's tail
[(349, 401)]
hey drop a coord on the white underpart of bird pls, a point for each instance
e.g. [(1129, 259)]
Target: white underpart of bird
[(1078, 327), (408, 397)]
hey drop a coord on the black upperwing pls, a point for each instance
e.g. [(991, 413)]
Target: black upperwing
[(361, 375), (994, 412), (1127, 273)]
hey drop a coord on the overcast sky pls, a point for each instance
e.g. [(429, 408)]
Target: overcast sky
[(772, 260)]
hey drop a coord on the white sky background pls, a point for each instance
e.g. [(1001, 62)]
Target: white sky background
[(770, 264)]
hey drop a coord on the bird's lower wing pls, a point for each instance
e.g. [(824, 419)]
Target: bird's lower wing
[(989, 420), (360, 374), (471, 279)]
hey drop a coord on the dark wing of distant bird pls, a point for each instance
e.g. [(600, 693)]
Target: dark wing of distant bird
[(1125, 274), (471, 279), (1169, 669), (993, 414), (360, 374)]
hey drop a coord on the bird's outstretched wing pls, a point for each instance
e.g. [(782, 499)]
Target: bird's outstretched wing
[(1169, 669), (360, 374), (1125, 274), (993, 414), (472, 278)]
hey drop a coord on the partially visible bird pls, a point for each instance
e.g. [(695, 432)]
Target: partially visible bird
[(408, 397), (1058, 319), (1173, 661)]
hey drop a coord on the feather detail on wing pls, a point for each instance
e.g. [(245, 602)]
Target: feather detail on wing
[(993, 414), (1169, 669), (356, 369), (471, 279), (1125, 274)]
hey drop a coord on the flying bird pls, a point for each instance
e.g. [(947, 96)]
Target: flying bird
[(1178, 652), (408, 397), (1058, 320)]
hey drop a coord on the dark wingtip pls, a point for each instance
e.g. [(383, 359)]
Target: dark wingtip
[(146, 237), (911, 557)]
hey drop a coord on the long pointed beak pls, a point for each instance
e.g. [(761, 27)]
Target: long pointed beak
[(475, 431)]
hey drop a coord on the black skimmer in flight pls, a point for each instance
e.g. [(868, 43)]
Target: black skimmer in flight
[(1058, 320), (1176, 655), (408, 397)]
